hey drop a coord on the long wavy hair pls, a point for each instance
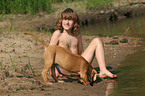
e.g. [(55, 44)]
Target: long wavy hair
[(71, 15)]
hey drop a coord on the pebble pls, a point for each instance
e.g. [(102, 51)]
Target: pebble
[(124, 40), (114, 42)]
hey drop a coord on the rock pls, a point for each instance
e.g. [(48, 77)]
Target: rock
[(19, 76), (114, 42), (85, 23), (124, 40), (113, 17), (100, 35), (4, 73), (13, 50), (36, 43), (115, 37), (45, 28)]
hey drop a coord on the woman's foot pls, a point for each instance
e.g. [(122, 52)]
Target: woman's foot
[(57, 73), (106, 73)]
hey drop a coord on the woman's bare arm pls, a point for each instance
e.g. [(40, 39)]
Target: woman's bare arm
[(80, 45), (54, 38)]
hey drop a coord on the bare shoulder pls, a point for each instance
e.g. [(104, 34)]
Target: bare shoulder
[(57, 32), (54, 38)]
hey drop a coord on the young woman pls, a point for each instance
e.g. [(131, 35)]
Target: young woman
[(68, 36)]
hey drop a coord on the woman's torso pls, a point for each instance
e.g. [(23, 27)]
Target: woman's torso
[(67, 41)]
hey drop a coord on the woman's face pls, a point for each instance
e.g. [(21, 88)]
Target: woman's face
[(67, 24)]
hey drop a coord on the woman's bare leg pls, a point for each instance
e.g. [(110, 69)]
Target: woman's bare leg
[(96, 49)]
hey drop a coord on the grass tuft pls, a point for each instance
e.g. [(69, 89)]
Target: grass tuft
[(12, 62), (1, 66), (30, 66)]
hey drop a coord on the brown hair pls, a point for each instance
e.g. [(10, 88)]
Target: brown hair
[(71, 15)]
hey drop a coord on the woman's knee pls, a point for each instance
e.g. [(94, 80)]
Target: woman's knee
[(97, 41)]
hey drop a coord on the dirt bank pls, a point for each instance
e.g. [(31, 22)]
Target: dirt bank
[(20, 53), (46, 22)]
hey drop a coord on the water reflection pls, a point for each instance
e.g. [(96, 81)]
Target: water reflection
[(109, 88), (131, 26)]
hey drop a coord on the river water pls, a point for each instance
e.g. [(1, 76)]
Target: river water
[(131, 76)]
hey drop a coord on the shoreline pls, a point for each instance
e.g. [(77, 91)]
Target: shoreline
[(22, 82)]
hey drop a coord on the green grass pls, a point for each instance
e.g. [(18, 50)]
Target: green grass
[(89, 4), (30, 66), (1, 66), (12, 62), (24, 6), (98, 3), (11, 25), (37, 6)]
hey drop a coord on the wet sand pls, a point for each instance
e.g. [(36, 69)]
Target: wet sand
[(20, 53)]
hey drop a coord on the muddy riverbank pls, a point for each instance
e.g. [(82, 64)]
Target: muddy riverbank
[(20, 53)]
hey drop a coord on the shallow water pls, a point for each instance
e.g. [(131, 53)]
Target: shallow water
[(131, 81), (131, 76)]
